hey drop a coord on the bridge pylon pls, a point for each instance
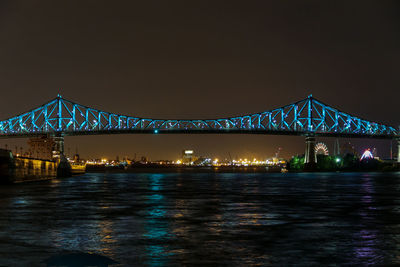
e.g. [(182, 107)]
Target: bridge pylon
[(63, 166), (310, 159), (59, 144), (398, 150)]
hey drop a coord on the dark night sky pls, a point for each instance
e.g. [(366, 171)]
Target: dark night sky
[(207, 59)]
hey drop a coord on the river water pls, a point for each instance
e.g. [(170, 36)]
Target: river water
[(234, 219)]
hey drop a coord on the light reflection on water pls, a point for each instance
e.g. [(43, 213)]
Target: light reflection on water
[(156, 228), (366, 247), (208, 219)]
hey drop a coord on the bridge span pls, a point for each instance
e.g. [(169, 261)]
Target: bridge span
[(308, 117)]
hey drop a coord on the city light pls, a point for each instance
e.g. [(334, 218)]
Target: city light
[(367, 155)]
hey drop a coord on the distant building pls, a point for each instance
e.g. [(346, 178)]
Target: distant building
[(41, 148), (163, 162), (188, 156), (202, 161), (144, 160)]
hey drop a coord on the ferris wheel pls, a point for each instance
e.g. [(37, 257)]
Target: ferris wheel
[(321, 149)]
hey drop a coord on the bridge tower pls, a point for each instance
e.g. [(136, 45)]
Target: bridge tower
[(310, 159), (336, 148), (63, 166), (59, 144), (398, 150)]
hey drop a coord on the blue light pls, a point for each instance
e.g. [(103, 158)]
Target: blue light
[(305, 116)]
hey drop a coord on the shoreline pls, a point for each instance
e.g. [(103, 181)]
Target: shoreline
[(178, 169), (223, 169)]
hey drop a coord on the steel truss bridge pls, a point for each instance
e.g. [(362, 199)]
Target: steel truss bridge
[(307, 117)]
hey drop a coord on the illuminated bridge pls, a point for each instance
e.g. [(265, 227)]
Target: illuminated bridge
[(308, 117)]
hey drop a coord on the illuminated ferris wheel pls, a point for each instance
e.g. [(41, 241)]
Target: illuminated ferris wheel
[(321, 149)]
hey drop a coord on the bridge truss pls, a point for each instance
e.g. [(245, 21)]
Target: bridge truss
[(305, 117)]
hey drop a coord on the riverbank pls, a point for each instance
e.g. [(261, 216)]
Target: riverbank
[(20, 169), (182, 169), (346, 163), (221, 169), (24, 169)]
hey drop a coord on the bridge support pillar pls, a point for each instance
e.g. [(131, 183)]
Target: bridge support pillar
[(59, 144), (63, 166), (310, 159), (398, 150)]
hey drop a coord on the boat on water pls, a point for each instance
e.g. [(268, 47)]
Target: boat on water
[(78, 168)]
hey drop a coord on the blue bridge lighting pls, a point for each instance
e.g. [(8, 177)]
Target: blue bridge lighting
[(305, 117)]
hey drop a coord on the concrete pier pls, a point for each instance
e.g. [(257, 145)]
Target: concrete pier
[(22, 169), (63, 166), (398, 150)]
